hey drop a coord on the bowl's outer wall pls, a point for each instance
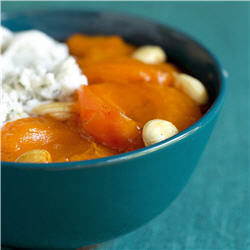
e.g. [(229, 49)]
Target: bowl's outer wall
[(46, 208), (88, 205)]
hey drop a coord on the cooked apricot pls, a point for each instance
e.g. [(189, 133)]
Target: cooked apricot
[(107, 124), (139, 102), (28, 134), (145, 102), (98, 47), (179, 109), (126, 72)]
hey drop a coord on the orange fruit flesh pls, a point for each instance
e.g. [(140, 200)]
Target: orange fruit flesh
[(146, 102), (58, 138), (97, 48), (106, 123), (126, 70)]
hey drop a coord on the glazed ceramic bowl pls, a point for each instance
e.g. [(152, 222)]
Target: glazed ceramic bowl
[(66, 205)]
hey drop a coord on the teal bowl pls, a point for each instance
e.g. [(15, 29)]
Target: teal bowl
[(69, 205)]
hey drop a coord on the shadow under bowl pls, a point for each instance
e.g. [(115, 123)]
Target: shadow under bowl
[(68, 205)]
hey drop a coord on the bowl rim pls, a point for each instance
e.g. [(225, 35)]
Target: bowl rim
[(110, 160)]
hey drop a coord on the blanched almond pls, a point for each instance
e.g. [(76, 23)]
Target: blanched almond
[(150, 54), (35, 156), (192, 87), (157, 130), (57, 110)]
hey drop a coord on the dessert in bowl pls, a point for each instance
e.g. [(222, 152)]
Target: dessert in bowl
[(79, 200)]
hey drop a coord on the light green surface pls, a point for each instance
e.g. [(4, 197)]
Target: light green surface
[(213, 210)]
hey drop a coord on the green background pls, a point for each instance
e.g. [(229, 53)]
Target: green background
[(213, 211)]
